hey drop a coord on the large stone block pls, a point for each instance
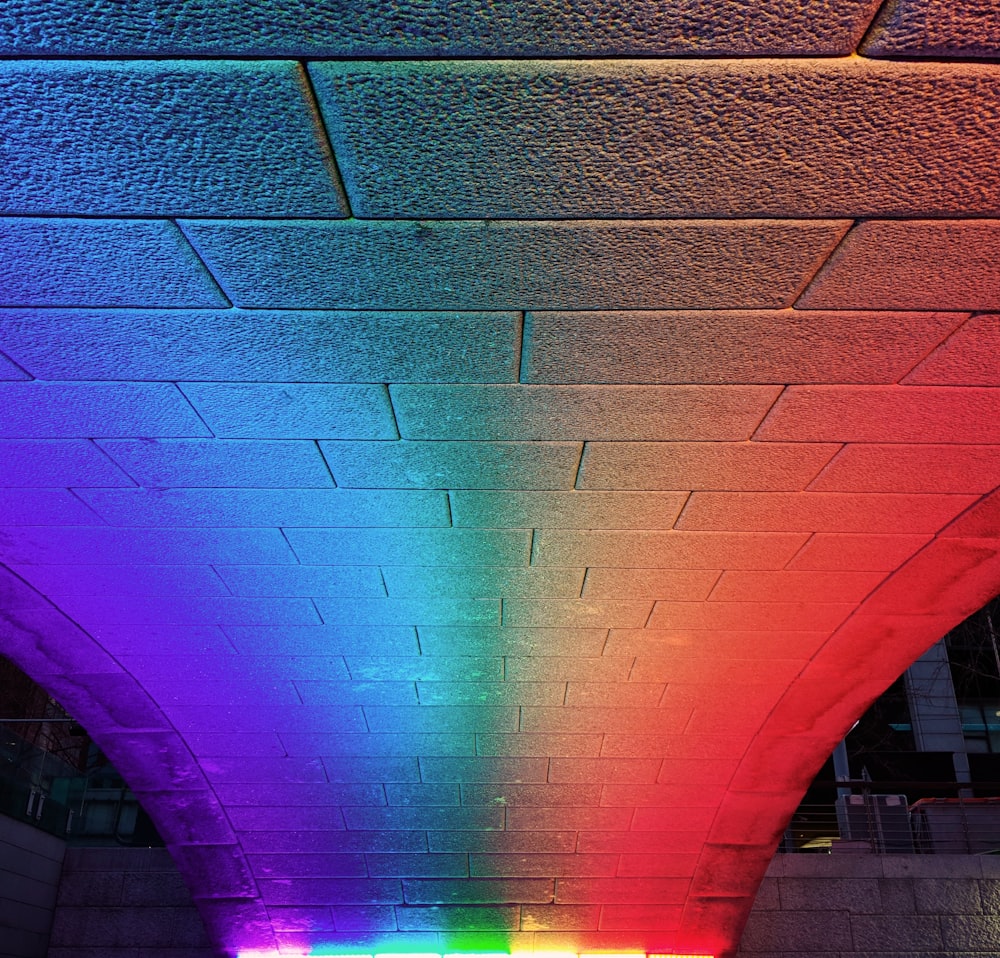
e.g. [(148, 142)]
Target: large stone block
[(159, 138), (469, 28), (912, 264), (745, 346), (504, 265), (264, 345), (605, 138), (100, 262), (934, 28)]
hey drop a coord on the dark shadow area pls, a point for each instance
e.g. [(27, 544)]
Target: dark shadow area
[(54, 777), (920, 770)]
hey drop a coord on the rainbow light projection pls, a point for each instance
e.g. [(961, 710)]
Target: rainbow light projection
[(515, 954), (466, 495)]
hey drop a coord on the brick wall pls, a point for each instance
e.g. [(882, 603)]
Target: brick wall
[(819, 906), (125, 903), (131, 903)]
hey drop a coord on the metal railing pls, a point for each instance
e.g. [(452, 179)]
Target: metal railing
[(92, 806), (886, 823)]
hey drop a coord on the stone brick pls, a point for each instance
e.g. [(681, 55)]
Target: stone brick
[(178, 138), (632, 771), (857, 896), (542, 668), (897, 896), (613, 694), (617, 613), (567, 510), (230, 463), (300, 29), (963, 358), (263, 345), (651, 917), (91, 610), (779, 346), (561, 917), (442, 718), (665, 720), (787, 586), (318, 692), (666, 550), (733, 616), (491, 693), (884, 414), (330, 891), (334, 843), (935, 896), (44, 507), (443, 547), (319, 581), (713, 413), (888, 933), (57, 462), (672, 745), (676, 585), (815, 934), (539, 819), (484, 769), (788, 157), (423, 793), (543, 864), (545, 795), (323, 793), (444, 640), (78, 262), (294, 640), (340, 747), (472, 918), (481, 890), (364, 917), (820, 512), (702, 465), (933, 28), (454, 465), (924, 468), (417, 866), (40, 410), (832, 552), (423, 668), (484, 581), (103, 580), (544, 744), (406, 611), (505, 264), (268, 507), (715, 645), (293, 410), (638, 891), (292, 918), (107, 546), (912, 264), (506, 842)]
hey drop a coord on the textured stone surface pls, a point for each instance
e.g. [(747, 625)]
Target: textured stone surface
[(728, 347), (163, 138), (517, 546), (77, 262), (911, 264), (263, 345), (647, 138), (473, 265), (934, 28), (470, 28)]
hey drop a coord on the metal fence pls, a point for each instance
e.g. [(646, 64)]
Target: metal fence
[(887, 824)]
